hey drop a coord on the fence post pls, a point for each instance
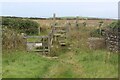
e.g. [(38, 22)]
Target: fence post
[(76, 23), (39, 30), (54, 18)]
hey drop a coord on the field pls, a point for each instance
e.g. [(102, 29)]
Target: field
[(74, 61)]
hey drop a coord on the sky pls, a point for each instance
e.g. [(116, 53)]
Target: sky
[(44, 8)]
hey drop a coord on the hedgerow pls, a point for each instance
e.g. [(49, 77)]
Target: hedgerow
[(21, 25)]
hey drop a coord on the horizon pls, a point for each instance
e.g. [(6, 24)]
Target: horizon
[(57, 17)]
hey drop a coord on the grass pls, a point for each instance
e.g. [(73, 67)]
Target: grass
[(32, 40), (22, 64), (79, 62), (95, 66), (82, 64)]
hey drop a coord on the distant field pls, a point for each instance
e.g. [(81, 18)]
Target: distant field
[(90, 22)]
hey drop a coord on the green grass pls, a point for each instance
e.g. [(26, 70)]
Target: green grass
[(83, 64), (95, 66), (24, 65), (32, 40)]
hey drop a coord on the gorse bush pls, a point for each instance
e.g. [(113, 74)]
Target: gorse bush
[(115, 26), (21, 25)]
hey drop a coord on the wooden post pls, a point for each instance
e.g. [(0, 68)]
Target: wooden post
[(49, 43), (53, 24), (54, 18), (86, 21), (54, 15), (43, 46), (39, 30), (100, 25), (67, 28), (76, 23)]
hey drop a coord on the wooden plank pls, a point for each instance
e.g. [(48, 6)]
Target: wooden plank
[(36, 36)]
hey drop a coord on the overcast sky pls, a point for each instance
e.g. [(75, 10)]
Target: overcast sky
[(33, 8)]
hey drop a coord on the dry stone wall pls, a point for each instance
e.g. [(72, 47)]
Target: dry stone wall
[(112, 38)]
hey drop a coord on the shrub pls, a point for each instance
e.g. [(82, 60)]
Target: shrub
[(21, 25), (12, 40), (95, 33), (114, 26)]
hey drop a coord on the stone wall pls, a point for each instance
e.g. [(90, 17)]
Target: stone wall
[(112, 37), (96, 43), (110, 40)]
